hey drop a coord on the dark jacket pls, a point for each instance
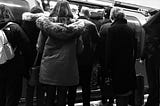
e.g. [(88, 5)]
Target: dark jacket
[(90, 39), (152, 38), (119, 51), (32, 31), (20, 43)]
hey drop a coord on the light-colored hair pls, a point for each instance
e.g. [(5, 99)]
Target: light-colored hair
[(116, 13)]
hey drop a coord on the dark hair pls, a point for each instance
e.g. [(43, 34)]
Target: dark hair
[(107, 11), (61, 9), (36, 9), (6, 14)]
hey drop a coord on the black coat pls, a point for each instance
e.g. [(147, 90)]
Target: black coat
[(119, 55), (152, 37), (90, 38), (20, 43), (32, 32)]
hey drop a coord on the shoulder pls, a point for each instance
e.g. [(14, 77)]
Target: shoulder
[(87, 22), (13, 25), (107, 25)]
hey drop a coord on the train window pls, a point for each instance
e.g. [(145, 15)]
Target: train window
[(133, 19), (18, 7)]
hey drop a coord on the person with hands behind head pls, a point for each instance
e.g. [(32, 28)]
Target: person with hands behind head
[(58, 42)]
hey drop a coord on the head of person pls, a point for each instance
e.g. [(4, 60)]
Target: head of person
[(62, 11), (31, 16), (107, 12), (116, 14), (5, 14), (36, 9), (75, 11), (85, 12)]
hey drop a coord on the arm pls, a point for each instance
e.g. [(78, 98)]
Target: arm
[(25, 45), (23, 49), (60, 30), (41, 42), (142, 41)]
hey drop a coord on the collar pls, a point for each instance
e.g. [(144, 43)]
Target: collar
[(120, 21)]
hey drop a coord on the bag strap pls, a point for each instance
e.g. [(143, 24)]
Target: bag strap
[(9, 23), (3, 33), (4, 39), (36, 59)]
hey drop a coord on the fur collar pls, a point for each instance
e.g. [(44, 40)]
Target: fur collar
[(28, 16), (60, 30)]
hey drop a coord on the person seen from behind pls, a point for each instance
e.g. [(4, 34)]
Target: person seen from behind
[(90, 37), (30, 28), (13, 71), (119, 56), (100, 55), (58, 41), (151, 55)]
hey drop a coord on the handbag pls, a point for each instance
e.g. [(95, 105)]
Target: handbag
[(34, 72)]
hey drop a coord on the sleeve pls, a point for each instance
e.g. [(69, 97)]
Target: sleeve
[(104, 48), (41, 42), (23, 51), (142, 41), (60, 30), (24, 45), (95, 36), (140, 37), (102, 31), (80, 45)]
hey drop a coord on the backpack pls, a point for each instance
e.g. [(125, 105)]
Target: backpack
[(6, 50)]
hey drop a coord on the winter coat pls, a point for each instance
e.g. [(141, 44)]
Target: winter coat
[(59, 63), (32, 31), (119, 46), (90, 39), (100, 50)]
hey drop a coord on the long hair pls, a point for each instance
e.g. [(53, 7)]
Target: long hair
[(6, 14), (62, 11)]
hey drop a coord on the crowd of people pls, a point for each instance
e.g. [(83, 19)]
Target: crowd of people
[(68, 45)]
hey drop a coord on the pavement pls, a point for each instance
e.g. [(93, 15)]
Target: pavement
[(95, 99)]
